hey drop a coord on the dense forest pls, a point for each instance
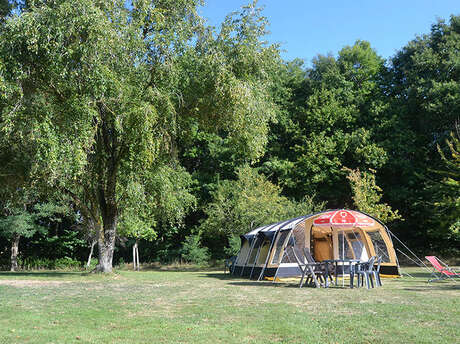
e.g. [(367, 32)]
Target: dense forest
[(135, 129)]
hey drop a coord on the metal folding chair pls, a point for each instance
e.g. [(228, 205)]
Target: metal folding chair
[(441, 270), (312, 271)]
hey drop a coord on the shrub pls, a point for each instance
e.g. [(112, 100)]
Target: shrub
[(234, 243), (92, 264), (193, 252), (67, 263), (36, 263)]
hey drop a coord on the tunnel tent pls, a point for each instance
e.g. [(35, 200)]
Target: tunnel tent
[(330, 234), (256, 246)]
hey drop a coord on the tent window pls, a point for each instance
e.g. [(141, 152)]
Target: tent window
[(299, 236), (263, 252), (356, 244), (357, 248), (257, 244), (345, 251), (243, 253), (289, 254), (279, 247), (379, 245)]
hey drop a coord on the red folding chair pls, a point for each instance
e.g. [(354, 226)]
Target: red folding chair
[(441, 270)]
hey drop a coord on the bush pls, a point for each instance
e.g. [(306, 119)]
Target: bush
[(66, 263), (35, 263), (193, 252), (234, 243), (92, 264)]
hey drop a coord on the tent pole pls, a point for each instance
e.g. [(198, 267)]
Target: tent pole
[(343, 258), (234, 265), (277, 269), (268, 255), (247, 257), (257, 257)]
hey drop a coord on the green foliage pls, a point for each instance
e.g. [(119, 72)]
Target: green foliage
[(330, 123), (234, 244), (423, 91), (193, 252), (227, 80), (65, 243), (163, 198), (5, 8), (248, 202), (367, 195), (35, 263), (67, 263), (110, 88), (93, 263), (20, 223), (135, 119), (446, 191)]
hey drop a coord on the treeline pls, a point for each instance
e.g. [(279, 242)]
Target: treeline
[(135, 130)]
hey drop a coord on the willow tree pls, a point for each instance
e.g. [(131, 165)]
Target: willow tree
[(108, 87)]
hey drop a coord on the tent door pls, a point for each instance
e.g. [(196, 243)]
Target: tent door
[(322, 248)]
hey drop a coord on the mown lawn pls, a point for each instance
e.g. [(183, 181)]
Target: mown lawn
[(210, 307)]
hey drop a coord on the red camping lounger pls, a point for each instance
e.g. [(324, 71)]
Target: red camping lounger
[(442, 269)]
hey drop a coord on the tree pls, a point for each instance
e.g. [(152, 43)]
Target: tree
[(15, 223), (162, 200), (109, 86), (422, 85), (331, 118), (23, 214), (248, 202), (446, 225), (367, 195)]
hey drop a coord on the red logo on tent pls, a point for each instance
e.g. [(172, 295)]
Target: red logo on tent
[(363, 220), (324, 219), (343, 218)]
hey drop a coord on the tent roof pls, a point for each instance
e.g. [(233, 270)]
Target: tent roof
[(270, 229)]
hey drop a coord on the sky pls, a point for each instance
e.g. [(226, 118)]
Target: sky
[(305, 28)]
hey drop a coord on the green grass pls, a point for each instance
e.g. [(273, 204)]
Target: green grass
[(209, 307)]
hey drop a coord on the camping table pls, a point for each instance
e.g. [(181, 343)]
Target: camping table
[(344, 262)]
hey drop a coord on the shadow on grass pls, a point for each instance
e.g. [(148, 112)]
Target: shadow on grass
[(426, 275), (236, 280), (220, 276), (267, 284), (50, 274), (173, 268), (415, 284), (438, 285)]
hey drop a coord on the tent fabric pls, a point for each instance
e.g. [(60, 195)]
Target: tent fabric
[(331, 234)]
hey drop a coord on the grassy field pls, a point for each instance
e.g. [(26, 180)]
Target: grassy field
[(210, 307)]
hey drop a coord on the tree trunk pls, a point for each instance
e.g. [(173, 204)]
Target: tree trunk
[(137, 254), (106, 243), (93, 243), (134, 255), (108, 158), (15, 252)]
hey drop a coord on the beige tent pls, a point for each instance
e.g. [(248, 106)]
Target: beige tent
[(332, 234)]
